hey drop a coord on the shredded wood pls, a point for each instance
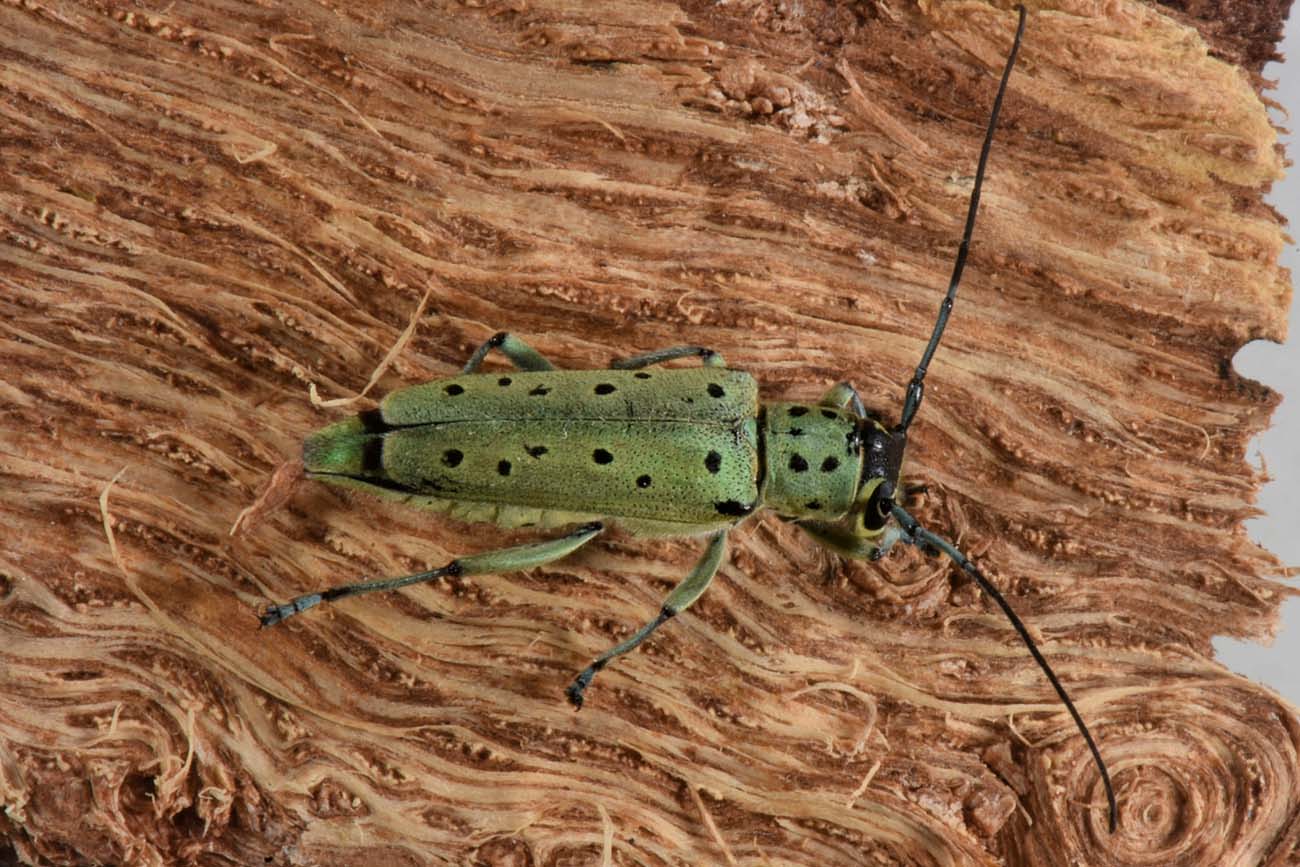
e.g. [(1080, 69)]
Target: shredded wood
[(207, 207), (393, 352)]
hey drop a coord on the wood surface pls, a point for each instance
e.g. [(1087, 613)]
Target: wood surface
[(207, 206)]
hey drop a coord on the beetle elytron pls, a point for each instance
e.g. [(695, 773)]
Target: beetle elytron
[(657, 451)]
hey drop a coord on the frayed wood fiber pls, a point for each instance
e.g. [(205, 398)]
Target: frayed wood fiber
[(208, 207)]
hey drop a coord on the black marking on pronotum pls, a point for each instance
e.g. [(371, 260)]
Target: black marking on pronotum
[(713, 462), (798, 463), (716, 390), (503, 467), (830, 465), (733, 509), (604, 388), (795, 431), (454, 389), (643, 481), (504, 381), (601, 456), (536, 451), (796, 411), (853, 440), (641, 375), (539, 391), (452, 457), (826, 413)]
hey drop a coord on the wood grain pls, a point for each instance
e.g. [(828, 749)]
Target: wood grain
[(207, 206)]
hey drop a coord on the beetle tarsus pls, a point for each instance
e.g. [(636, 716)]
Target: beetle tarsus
[(579, 686), (276, 613)]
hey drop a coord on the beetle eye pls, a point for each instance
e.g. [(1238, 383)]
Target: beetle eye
[(876, 512)]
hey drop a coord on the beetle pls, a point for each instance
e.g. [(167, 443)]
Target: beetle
[(657, 451)]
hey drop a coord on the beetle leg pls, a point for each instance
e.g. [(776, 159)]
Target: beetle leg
[(844, 396), (707, 357), (691, 588), (503, 560), (893, 535), (835, 536), (521, 355)]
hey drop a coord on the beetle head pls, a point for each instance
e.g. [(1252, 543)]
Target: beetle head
[(881, 465)]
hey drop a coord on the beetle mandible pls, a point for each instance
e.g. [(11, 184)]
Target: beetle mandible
[(657, 451)]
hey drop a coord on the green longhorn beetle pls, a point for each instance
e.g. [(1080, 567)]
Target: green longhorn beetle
[(657, 451)]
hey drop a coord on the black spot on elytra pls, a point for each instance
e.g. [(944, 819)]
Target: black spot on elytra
[(642, 375), (830, 465), (732, 508), (601, 456), (797, 463), (454, 389), (452, 457), (796, 431), (643, 481), (826, 413), (504, 381), (539, 391), (715, 390), (372, 421), (503, 467), (372, 455), (536, 451), (812, 505), (604, 388), (713, 462), (796, 411)]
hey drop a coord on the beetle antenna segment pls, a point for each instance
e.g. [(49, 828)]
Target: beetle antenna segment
[(917, 535), (916, 389)]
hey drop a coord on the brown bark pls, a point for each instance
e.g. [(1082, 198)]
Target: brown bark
[(207, 206)]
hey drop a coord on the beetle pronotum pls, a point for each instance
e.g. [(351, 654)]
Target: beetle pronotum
[(681, 451)]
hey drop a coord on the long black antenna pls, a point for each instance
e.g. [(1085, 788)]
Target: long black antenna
[(916, 390), (918, 535)]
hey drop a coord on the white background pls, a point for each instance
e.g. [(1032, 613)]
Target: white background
[(1279, 368)]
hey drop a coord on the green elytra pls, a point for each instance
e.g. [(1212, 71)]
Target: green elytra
[(656, 451)]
